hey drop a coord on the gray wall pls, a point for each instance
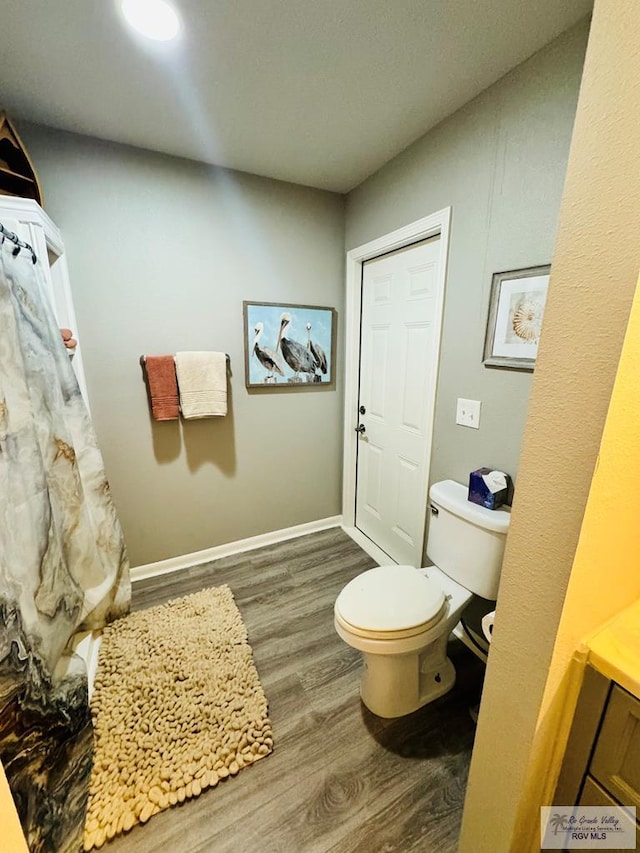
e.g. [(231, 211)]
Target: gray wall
[(161, 253), (500, 164)]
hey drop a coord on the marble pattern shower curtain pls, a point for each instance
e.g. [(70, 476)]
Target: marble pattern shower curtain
[(63, 564)]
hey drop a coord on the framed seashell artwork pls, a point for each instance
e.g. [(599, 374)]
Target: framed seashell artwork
[(516, 310)]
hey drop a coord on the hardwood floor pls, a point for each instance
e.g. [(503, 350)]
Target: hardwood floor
[(340, 779)]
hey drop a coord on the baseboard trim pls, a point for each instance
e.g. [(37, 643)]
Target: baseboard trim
[(381, 557), (185, 561)]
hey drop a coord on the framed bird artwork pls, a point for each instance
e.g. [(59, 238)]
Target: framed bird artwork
[(289, 346)]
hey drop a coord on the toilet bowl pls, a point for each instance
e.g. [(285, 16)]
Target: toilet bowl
[(401, 617)]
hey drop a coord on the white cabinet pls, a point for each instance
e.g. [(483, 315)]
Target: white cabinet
[(28, 220)]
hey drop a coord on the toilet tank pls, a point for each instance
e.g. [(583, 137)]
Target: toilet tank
[(466, 541)]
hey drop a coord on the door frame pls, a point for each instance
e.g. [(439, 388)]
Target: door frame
[(435, 224)]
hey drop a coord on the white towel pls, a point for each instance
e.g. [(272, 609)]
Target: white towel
[(202, 381)]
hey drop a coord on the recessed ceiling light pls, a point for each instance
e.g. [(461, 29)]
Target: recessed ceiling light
[(155, 19)]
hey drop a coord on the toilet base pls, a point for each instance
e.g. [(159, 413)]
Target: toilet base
[(395, 685)]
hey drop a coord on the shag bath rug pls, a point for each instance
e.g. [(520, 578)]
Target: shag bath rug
[(177, 707)]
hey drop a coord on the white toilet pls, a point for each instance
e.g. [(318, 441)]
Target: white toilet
[(401, 617)]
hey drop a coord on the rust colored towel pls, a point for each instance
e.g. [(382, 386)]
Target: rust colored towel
[(163, 387)]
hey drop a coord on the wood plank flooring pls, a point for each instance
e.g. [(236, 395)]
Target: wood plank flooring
[(340, 780)]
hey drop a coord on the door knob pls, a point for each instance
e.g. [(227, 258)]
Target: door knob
[(361, 429)]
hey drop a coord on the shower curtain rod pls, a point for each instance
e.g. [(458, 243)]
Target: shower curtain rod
[(20, 244)]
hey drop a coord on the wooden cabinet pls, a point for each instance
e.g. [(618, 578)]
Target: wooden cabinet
[(27, 219), (593, 795), (601, 766), (17, 174), (616, 758)]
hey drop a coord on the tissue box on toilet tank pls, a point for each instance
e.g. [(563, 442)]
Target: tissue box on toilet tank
[(488, 487)]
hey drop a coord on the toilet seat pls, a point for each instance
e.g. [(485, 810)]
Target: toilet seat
[(390, 602)]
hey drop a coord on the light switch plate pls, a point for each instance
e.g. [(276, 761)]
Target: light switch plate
[(468, 413)]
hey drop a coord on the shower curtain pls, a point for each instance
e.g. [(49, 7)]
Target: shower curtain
[(63, 564)]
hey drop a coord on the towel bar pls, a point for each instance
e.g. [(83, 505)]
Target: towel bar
[(143, 359)]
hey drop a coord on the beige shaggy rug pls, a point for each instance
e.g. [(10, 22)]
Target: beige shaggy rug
[(177, 707)]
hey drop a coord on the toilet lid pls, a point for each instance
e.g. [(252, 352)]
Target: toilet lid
[(390, 598)]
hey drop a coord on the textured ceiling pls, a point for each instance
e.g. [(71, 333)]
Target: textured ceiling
[(320, 93)]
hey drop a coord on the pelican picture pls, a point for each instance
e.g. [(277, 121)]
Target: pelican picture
[(289, 346)]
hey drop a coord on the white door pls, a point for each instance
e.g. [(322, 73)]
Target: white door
[(400, 335)]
